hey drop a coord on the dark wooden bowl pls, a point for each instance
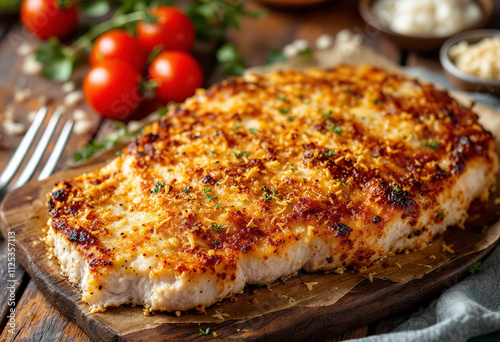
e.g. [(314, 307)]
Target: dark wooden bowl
[(418, 43), (460, 79)]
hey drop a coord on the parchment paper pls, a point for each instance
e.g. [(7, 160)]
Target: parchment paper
[(482, 229)]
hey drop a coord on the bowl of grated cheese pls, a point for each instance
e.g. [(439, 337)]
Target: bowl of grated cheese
[(471, 61), (424, 25)]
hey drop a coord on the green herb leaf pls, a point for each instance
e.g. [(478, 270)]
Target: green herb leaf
[(207, 330), (275, 55), (330, 153), (95, 8), (92, 148), (477, 267), (216, 227), (236, 128), (265, 188), (241, 154), (281, 97), (157, 188), (336, 129), (254, 130), (207, 193), (327, 115), (307, 53), (395, 187), (440, 214), (377, 102), (122, 128), (58, 61), (231, 61), (284, 110), (274, 194), (186, 189), (162, 111)]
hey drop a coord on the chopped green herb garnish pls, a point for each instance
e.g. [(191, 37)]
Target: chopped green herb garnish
[(440, 214), (477, 267), (274, 194), (395, 187), (284, 110), (336, 129), (207, 193), (330, 153), (307, 52), (216, 162), (118, 153), (157, 188), (377, 102), (217, 206), (235, 128), (214, 242), (305, 133), (241, 154), (216, 227), (254, 130), (162, 111), (289, 118), (281, 97), (207, 330), (186, 190), (292, 169), (212, 152), (343, 183), (265, 188), (433, 144), (327, 115)]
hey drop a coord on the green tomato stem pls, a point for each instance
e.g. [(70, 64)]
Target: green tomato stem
[(81, 43)]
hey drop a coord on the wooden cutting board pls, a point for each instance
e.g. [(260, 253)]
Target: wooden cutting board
[(24, 212)]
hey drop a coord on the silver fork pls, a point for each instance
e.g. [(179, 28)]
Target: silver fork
[(23, 148)]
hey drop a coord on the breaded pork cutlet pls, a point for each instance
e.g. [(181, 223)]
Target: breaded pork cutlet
[(258, 177)]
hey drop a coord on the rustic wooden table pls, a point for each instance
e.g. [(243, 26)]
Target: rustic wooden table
[(36, 319)]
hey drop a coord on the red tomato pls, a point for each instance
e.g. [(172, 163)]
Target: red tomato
[(173, 30), (46, 18), (118, 45), (177, 74), (112, 89)]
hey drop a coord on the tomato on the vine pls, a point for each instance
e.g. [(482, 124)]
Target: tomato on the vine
[(171, 29), (177, 75), (49, 18), (118, 44), (112, 89)]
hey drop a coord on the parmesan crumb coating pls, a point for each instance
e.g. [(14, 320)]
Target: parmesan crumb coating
[(258, 177)]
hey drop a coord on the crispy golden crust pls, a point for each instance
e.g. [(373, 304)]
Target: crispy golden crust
[(253, 163)]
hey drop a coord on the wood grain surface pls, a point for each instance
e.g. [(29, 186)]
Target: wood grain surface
[(280, 27)]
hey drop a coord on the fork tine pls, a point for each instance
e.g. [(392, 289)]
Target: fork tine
[(22, 150), (57, 151), (32, 164)]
